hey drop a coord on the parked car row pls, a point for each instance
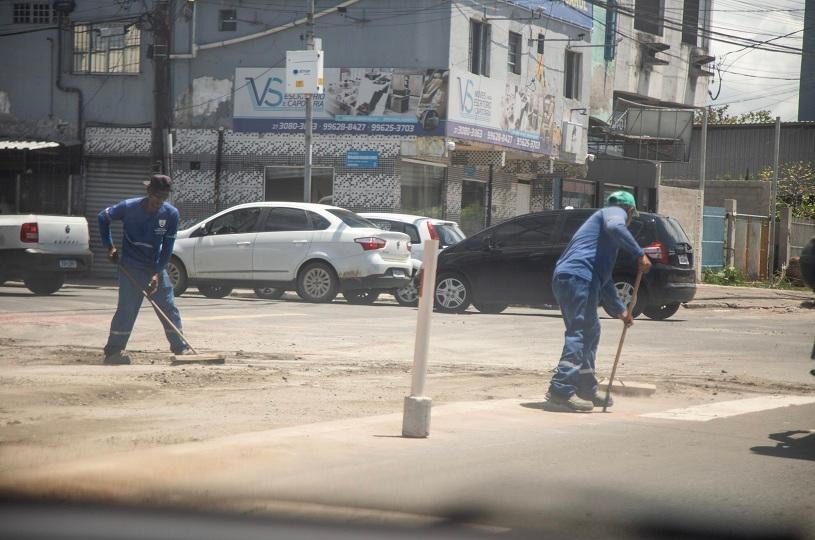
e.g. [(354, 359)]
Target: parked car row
[(320, 251)]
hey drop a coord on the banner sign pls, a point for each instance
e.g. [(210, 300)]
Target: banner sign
[(502, 113), (379, 101)]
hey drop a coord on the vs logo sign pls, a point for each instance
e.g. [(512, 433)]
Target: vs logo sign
[(465, 91), (269, 96)]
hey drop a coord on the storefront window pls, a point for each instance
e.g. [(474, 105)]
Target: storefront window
[(422, 187), (473, 206), (577, 194)]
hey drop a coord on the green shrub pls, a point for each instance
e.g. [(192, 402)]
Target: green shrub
[(729, 275)]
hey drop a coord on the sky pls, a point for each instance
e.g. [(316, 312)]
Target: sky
[(744, 74)]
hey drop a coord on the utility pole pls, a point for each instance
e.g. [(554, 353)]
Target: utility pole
[(309, 108), (702, 175), (773, 195), (162, 112)]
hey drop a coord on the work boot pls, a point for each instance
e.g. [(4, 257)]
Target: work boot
[(599, 399), (117, 359), (571, 404)]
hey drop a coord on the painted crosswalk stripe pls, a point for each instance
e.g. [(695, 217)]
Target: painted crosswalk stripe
[(724, 409)]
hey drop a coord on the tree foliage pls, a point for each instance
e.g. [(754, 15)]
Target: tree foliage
[(719, 115), (796, 187)]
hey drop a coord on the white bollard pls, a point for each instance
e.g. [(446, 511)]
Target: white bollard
[(416, 417)]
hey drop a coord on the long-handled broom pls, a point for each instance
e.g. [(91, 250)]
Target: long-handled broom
[(630, 306), (196, 357)]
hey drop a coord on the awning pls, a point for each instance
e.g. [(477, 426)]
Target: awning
[(27, 145)]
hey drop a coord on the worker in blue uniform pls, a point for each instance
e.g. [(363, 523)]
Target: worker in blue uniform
[(150, 225), (582, 279)]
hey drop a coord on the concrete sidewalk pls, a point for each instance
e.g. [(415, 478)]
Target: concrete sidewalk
[(721, 297), (322, 463)]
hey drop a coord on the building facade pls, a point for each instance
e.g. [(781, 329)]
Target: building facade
[(650, 69), (468, 110)]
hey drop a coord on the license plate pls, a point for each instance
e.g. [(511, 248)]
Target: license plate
[(399, 273), (67, 263), (683, 259)]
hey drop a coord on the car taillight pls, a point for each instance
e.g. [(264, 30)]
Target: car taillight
[(657, 252), (370, 242), (431, 230), (30, 232)]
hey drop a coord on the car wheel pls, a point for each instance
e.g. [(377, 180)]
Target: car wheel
[(178, 276), (489, 308), (661, 312), (407, 296), (452, 294), (625, 290), (361, 296), (214, 291), (269, 293), (44, 283), (317, 283)]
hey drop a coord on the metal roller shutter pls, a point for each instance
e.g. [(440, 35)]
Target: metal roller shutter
[(109, 180)]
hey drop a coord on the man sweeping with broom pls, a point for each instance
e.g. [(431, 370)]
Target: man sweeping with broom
[(582, 278), (150, 224)]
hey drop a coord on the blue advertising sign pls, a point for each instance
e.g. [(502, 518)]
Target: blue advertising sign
[(362, 159), (576, 12), (375, 101)]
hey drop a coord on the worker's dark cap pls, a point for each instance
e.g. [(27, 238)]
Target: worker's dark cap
[(159, 183)]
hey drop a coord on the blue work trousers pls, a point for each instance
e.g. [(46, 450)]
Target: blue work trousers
[(130, 301), (578, 300)]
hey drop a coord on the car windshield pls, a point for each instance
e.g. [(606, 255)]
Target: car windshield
[(352, 220), (449, 234)]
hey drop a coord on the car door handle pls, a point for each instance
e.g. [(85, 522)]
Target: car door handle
[(299, 241), (243, 243)]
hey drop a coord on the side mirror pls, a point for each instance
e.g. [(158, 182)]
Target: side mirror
[(200, 231), (488, 244)]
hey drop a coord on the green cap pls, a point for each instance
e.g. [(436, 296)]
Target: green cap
[(621, 198)]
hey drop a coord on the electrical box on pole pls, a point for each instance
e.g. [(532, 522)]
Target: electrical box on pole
[(304, 72)]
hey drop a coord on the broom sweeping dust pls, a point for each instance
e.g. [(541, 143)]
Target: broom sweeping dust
[(631, 305)]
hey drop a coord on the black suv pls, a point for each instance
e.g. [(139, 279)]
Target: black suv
[(513, 262)]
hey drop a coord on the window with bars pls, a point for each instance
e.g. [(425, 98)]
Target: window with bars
[(480, 36), (33, 13), (107, 48), (514, 49)]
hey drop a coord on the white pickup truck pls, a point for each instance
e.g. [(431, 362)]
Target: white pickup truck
[(43, 249)]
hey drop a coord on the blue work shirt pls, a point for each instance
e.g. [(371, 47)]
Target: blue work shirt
[(148, 239), (592, 252)]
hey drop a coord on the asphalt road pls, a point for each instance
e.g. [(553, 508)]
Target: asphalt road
[(728, 438), (770, 345)]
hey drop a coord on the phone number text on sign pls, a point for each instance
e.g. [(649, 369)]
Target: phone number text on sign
[(355, 127), (467, 131), (393, 128)]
